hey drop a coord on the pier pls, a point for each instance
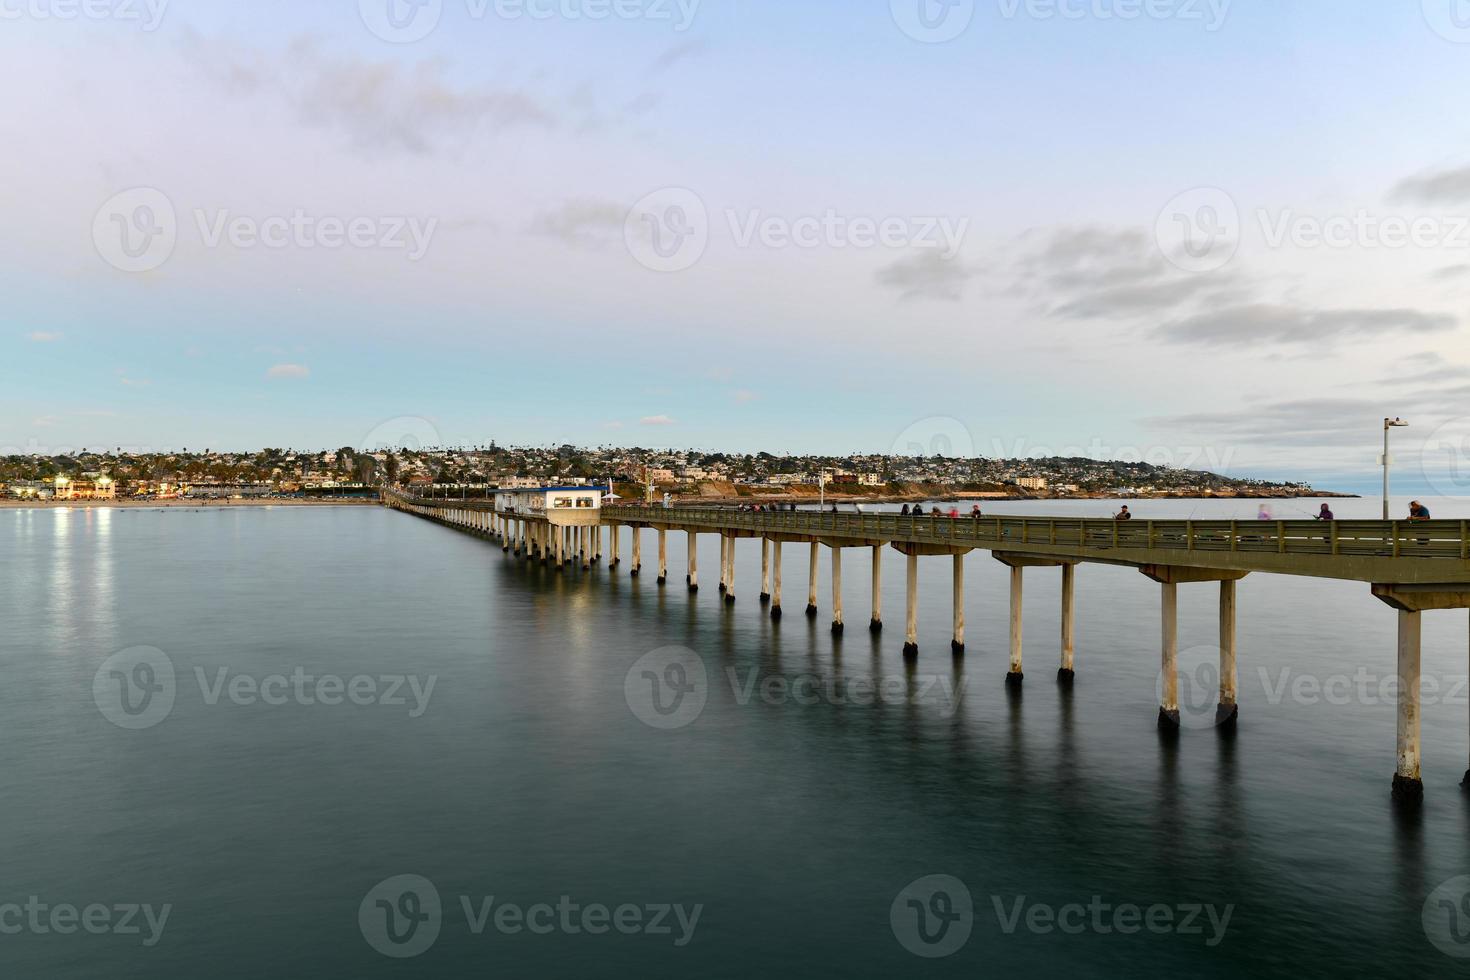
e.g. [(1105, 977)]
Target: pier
[(1413, 567)]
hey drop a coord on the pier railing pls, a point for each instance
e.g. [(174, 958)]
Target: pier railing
[(1369, 539)]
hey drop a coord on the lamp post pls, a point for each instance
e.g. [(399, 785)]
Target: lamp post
[(1393, 423), (822, 490)]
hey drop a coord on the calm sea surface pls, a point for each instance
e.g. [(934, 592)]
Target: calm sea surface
[(225, 772)]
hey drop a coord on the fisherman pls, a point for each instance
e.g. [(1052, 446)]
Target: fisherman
[(1123, 515)]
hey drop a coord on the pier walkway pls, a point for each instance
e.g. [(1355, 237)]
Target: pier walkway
[(1414, 567)]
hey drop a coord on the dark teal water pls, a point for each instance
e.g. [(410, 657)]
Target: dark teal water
[(794, 822)]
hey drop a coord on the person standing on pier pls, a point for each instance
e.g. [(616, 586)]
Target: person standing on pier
[(1123, 515), (1325, 514)]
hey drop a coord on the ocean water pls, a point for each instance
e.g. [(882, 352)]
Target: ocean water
[(260, 720)]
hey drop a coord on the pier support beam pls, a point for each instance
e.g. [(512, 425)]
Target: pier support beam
[(724, 562), (911, 609), (1016, 675), (765, 571), (1408, 786), (729, 570), (1226, 711), (637, 533), (663, 556), (693, 576), (776, 580), (836, 591), (1067, 671), (811, 589), (1169, 667), (957, 644), (1412, 601), (875, 622)]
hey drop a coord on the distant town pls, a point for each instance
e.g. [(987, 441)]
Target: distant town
[(631, 473)]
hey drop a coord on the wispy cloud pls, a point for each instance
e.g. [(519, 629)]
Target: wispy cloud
[(927, 275), (288, 371), (43, 337), (1273, 324), (655, 420), (1434, 187), (376, 104), (679, 52), (583, 222)]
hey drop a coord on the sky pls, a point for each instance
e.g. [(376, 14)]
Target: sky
[(1227, 234)]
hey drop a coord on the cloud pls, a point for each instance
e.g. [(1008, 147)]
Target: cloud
[(1264, 323), (280, 371), (927, 275), (134, 382), (655, 420), (377, 104), (1434, 187), (1306, 422), (679, 52), (582, 222), (742, 395), (1090, 272), (43, 337)]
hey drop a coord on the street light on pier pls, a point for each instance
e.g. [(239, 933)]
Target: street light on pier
[(1393, 423)]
